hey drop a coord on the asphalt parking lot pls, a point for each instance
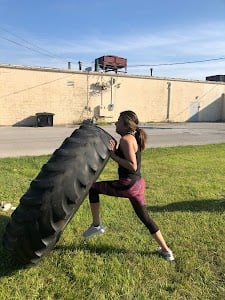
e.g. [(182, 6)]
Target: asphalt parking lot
[(29, 141)]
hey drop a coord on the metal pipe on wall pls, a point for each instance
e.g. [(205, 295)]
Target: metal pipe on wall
[(168, 101)]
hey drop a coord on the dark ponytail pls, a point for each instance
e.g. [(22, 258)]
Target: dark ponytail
[(141, 138)]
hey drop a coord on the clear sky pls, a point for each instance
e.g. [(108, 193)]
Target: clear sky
[(154, 34)]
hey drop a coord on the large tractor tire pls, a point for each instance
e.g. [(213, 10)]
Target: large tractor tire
[(56, 194)]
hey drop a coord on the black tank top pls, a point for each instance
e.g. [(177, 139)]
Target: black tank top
[(125, 173)]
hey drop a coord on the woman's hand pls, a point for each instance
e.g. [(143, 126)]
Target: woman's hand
[(112, 149), (112, 145)]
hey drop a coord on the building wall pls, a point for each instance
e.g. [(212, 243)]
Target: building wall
[(75, 95)]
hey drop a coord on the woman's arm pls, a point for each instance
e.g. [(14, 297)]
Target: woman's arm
[(129, 147)]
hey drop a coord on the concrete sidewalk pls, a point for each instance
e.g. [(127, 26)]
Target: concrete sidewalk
[(29, 141)]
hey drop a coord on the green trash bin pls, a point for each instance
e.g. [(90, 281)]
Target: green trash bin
[(44, 119)]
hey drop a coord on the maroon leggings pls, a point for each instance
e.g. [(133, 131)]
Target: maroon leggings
[(126, 188)]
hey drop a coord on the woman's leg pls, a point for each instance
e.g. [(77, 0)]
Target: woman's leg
[(95, 206), (111, 188), (142, 213), (95, 211), (160, 240), (96, 227)]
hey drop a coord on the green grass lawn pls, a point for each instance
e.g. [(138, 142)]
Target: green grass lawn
[(185, 196)]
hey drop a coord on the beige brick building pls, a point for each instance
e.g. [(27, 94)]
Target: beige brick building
[(77, 95)]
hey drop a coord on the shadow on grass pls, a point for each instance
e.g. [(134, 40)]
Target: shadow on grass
[(209, 205), (102, 249), (8, 264)]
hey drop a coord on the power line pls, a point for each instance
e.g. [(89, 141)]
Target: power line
[(40, 51), (52, 55), (24, 46), (178, 63), (22, 39)]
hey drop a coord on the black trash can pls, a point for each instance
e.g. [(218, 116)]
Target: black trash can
[(44, 119)]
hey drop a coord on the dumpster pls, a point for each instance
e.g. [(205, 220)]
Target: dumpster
[(44, 119)]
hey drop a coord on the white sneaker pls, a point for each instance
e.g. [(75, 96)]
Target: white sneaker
[(93, 230), (6, 206), (168, 255)]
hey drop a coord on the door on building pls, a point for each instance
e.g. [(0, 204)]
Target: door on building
[(194, 111)]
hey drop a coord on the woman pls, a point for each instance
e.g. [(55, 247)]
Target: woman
[(130, 183)]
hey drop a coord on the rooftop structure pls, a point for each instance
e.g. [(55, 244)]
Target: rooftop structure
[(111, 63)]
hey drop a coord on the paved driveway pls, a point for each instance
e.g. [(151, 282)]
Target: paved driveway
[(22, 141)]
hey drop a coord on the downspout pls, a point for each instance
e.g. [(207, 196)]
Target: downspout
[(111, 93), (112, 82), (87, 89), (168, 101), (101, 93)]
